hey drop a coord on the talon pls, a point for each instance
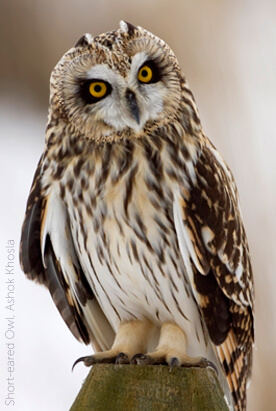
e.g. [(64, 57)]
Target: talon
[(211, 365), (174, 362), (145, 359), (122, 358), (141, 359), (81, 359), (95, 359), (202, 363)]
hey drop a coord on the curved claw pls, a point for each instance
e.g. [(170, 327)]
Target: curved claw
[(99, 358), (122, 358), (202, 363), (81, 359), (211, 365), (141, 359), (146, 359), (174, 362)]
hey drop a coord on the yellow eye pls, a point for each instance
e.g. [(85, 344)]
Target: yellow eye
[(97, 89), (145, 74)]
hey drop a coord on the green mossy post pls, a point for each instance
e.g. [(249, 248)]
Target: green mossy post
[(111, 387)]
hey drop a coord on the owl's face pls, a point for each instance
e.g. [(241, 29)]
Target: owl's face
[(119, 83)]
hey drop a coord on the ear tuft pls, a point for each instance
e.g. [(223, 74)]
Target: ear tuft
[(127, 27), (84, 41)]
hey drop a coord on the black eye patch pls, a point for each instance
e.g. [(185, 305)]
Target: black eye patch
[(93, 90), (149, 72)]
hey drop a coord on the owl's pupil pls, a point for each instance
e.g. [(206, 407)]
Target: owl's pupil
[(97, 88), (144, 73)]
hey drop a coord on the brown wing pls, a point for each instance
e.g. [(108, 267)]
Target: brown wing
[(47, 255), (214, 236), (30, 252)]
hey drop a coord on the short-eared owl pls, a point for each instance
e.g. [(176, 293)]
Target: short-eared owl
[(133, 220)]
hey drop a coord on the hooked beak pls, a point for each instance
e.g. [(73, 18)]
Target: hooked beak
[(132, 103)]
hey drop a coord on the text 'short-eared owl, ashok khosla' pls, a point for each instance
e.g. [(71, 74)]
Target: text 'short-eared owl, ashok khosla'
[(133, 220)]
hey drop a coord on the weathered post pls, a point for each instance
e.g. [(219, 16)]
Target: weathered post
[(150, 387)]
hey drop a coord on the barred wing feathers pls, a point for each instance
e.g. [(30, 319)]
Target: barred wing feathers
[(215, 250), (48, 256)]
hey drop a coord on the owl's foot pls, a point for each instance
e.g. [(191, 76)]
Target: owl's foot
[(147, 359), (161, 359), (155, 359), (122, 358), (106, 357), (130, 339), (171, 350), (201, 362)]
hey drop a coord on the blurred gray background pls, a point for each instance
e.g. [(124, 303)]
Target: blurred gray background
[(227, 50)]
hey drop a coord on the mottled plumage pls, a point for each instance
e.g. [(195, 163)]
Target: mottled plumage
[(133, 220)]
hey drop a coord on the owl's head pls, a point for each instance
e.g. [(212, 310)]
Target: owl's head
[(121, 83)]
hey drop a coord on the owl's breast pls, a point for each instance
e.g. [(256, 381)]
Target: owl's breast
[(123, 230)]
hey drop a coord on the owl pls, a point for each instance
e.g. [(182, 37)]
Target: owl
[(133, 220)]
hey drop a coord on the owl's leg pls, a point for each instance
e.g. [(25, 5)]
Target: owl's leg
[(131, 338), (171, 350)]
